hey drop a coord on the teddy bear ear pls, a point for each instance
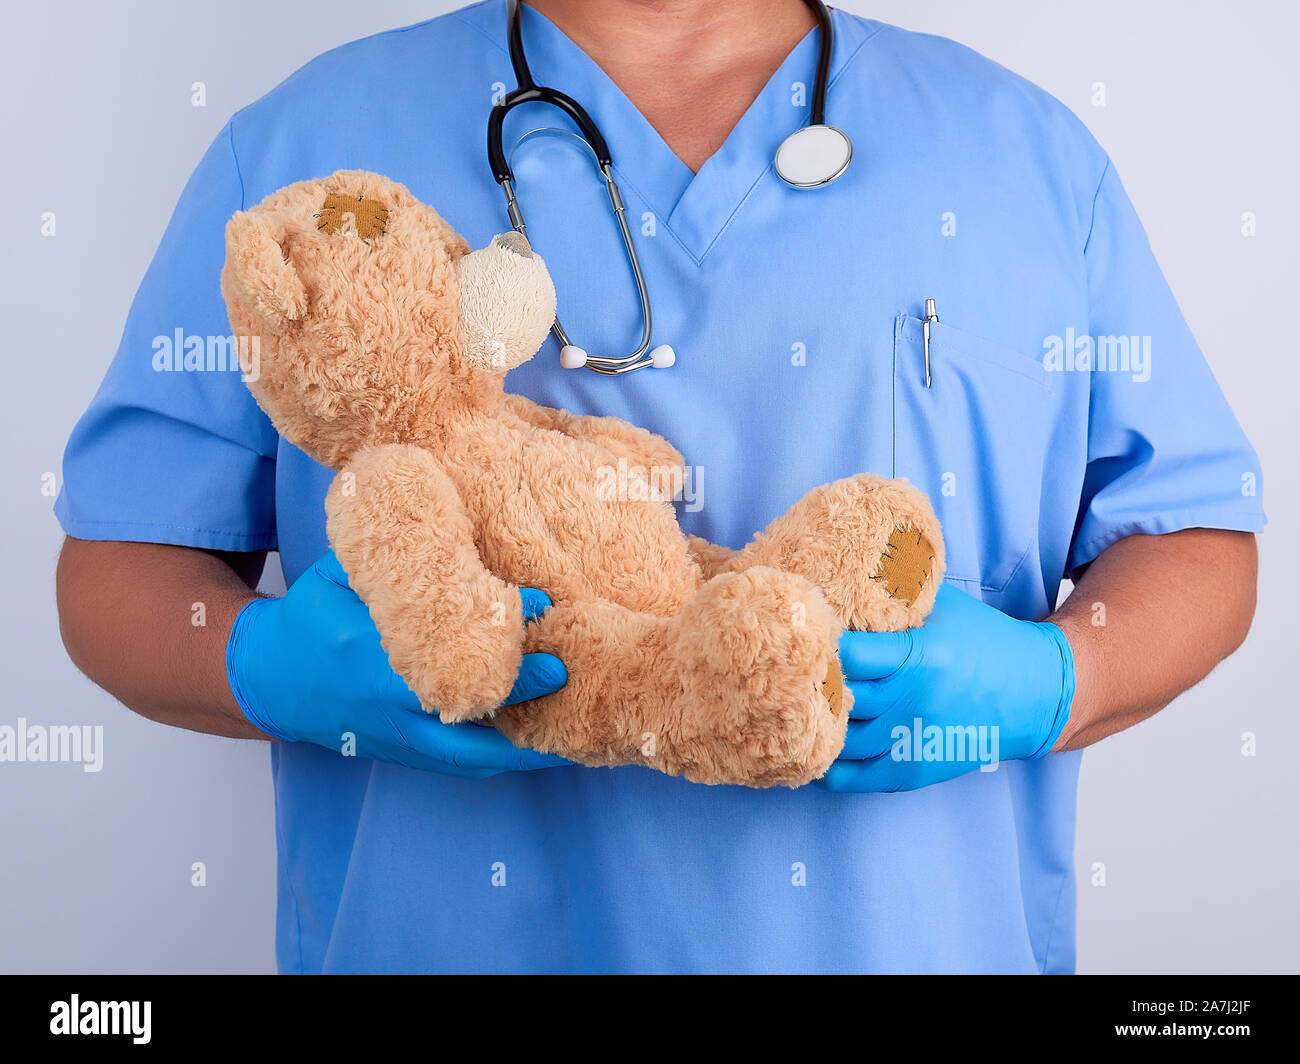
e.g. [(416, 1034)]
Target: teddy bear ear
[(260, 269)]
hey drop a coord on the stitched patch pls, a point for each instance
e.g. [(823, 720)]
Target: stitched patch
[(833, 687), (906, 564), (352, 216)]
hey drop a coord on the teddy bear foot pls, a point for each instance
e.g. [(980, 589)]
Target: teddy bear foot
[(742, 687), (765, 700), (873, 546)]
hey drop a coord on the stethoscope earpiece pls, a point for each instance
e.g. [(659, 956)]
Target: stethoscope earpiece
[(572, 357), (662, 357)]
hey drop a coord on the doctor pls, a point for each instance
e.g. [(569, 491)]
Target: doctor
[(1059, 414)]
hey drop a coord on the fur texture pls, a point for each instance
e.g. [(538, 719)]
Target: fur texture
[(384, 347)]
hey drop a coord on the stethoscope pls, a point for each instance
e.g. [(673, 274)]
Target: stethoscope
[(811, 157)]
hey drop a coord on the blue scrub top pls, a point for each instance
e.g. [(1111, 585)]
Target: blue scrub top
[(795, 315)]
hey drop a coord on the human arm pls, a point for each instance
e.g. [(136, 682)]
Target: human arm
[(1149, 619), (128, 616), (306, 667), (1173, 606)]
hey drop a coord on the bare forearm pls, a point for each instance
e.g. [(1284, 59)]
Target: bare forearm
[(149, 622), (1150, 618)]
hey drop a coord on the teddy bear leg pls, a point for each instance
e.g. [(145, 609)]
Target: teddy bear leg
[(451, 629), (872, 545), (742, 687)]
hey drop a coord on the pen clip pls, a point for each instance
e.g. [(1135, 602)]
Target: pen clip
[(931, 317)]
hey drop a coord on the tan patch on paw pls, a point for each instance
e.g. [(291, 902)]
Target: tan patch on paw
[(833, 687), (906, 565), (352, 216)]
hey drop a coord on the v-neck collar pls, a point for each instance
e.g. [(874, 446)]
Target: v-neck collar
[(693, 208)]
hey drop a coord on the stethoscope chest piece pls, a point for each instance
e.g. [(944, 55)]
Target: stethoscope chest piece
[(813, 156)]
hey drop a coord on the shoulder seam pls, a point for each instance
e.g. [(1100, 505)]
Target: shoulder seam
[(459, 16), (396, 31), (1092, 219), (234, 157)]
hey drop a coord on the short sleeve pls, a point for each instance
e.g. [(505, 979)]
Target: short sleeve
[(173, 448), (1164, 449)]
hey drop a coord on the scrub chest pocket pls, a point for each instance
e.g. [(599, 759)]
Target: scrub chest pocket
[(974, 442)]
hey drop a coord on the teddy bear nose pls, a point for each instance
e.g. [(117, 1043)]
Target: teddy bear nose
[(516, 242)]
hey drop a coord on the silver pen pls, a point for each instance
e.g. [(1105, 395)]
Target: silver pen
[(930, 316)]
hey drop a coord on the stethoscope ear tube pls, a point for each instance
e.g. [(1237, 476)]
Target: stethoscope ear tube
[(501, 171), (528, 91)]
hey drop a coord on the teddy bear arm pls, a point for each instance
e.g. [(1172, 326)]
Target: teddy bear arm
[(452, 629), (641, 448), (712, 558)]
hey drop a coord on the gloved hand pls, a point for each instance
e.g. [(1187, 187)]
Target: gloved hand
[(309, 666), (995, 688)]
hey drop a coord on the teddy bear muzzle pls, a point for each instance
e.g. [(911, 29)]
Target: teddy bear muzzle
[(507, 303)]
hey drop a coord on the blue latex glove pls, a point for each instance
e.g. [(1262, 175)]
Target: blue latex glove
[(969, 666), (309, 666)]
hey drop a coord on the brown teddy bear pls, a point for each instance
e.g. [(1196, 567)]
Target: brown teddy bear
[(384, 342)]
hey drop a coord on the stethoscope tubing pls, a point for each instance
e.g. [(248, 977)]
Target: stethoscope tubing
[(528, 91)]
